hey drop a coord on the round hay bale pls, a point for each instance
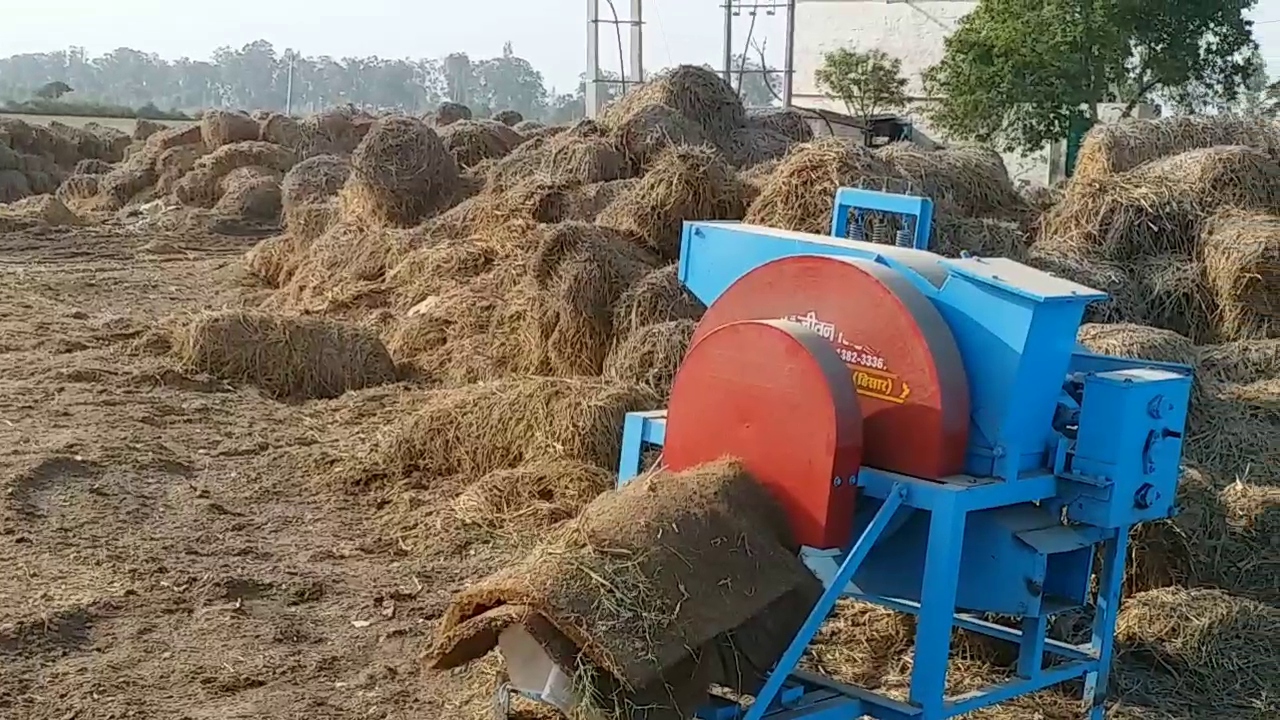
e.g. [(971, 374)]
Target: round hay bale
[(1170, 293), (119, 187), (250, 196), (286, 357), (449, 113), (314, 180), (198, 188), (1242, 361), (222, 127), (432, 270), (751, 146), (42, 183), (78, 187), (401, 172), (274, 259), (327, 133), (13, 186), (698, 93), (1240, 249), (564, 311), (1160, 207), (174, 137), (573, 158), (801, 193), (587, 202), (1138, 342), (656, 298), (648, 130), (1117, 147), (789, 123), (651, 355), (44, 208), (521, 502), (308, 221), (981, 237), (525, 127), (226, 158), (471, 142), (510, 118), (684, 183), (143, 129), (9, 159), (500, 425), (174, 163), (93, 167), (243, 175), (281, 130), (1205, 646), (973, 180)]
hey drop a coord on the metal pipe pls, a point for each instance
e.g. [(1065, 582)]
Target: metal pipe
[(637, 41), (592, 89), (728, 42), (789, 56)]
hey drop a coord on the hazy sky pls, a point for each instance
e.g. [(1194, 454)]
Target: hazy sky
[(550, 33)]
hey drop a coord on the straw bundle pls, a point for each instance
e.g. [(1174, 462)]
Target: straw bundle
[(695, 92), (973, 180), (286, 357), (222, 127), (1121, 146), (1242, 265), (684, 183), (400, 173), (800, 193)]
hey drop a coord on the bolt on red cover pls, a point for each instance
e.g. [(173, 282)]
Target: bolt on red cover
[(898, 350), (775, 395)]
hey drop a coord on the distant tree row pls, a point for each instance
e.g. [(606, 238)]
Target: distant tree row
[(258, 76)]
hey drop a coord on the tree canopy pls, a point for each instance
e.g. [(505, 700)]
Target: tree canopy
[(866, 82), (258, 76), (1020, 73)]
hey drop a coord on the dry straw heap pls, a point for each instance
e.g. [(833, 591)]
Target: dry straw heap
[(520, 282)]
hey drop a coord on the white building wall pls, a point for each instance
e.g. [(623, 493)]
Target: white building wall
[(911, 30)]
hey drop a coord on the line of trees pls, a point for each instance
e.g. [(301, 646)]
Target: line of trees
[(259, 76)]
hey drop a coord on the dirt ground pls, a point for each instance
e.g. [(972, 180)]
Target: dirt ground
[(168, 546)]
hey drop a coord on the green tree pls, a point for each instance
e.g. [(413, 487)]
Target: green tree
[(53, 90), (867, 83), (1020, 73)]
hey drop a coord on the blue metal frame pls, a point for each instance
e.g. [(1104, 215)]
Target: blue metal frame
[(916, 214), (790, 694)]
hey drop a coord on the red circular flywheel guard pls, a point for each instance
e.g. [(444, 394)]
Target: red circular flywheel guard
[(899, 350), (776, 396)]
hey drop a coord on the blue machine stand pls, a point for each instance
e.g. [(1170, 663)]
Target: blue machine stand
[(792, 694), (1068, 451)]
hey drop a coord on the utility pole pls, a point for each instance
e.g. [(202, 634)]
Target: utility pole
[(734, 9), (628, 73), (288, 87)]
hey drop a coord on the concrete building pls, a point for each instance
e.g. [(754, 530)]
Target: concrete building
[(912, 30)]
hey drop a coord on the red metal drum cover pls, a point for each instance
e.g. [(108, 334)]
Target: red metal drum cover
[(898, 350), (775, 395)]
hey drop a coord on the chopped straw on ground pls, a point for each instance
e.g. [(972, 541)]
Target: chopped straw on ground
[(521, 502), (481, 428), (1213, 648), (286, 357)]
